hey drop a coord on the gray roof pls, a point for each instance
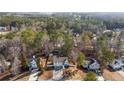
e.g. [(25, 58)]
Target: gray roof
[(91, 64)]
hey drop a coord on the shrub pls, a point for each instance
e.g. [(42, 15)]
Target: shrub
[(91, 76), (24, 62)]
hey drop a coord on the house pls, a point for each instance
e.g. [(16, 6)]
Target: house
[(2, 28), (5, 28), (33, 64), (59, 62), (117, 64), (92, 65)]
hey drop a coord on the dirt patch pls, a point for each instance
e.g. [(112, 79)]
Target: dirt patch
[(80, 75), (25, 78), (76, 74), (21, 77), (114, 76), (46, 75)]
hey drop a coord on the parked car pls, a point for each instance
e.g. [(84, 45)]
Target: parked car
[(117, 64)]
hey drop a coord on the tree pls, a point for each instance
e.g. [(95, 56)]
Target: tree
[(24, 62), (91, 76), (10, 35), (80, 59), (16, 66), (54, 35), (107, 55), (104, 56), (13, 48), (101, 43), (3, 62), (38, 41), (86, 41), (28, 36), (1, 36), (119, 44), (14, 51), (67, 47)]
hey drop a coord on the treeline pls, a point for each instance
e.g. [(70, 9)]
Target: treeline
[(75, 23)]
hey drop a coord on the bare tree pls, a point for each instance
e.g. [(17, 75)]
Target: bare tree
[(16, 66), (3, 63), (11, 49)]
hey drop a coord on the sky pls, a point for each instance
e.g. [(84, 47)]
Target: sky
[(62, 5)]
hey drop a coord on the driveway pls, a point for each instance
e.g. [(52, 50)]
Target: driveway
[(100, 78), (121, 73), (113, 76), (34, 76)]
